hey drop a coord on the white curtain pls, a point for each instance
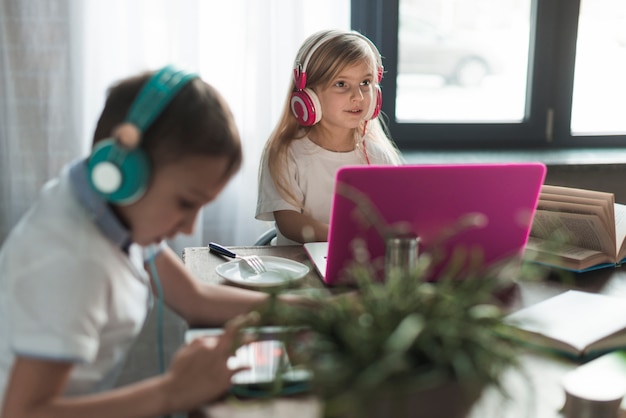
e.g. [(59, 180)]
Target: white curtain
[(58, 57), (36, 101)]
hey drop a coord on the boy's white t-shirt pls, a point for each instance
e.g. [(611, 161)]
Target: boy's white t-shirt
[(311, 172), (67, 293)]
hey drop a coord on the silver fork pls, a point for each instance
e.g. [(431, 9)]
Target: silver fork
[(253, 261)]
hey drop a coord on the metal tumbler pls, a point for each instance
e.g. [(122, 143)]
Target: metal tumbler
[(401, 254)]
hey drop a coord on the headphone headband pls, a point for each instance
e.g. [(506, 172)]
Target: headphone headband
[(156, 93), (118, 169), (300, 64)]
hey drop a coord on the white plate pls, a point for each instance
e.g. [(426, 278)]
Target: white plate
[(280, 271)]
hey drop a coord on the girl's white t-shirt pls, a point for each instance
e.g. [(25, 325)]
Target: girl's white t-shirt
[(311, 172)]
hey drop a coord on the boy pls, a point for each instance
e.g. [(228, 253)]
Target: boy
[(69, 315)]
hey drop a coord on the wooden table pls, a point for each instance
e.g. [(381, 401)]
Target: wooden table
[(535, 392)]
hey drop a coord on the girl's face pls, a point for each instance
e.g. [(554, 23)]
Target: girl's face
[(348, 97), (174, 197)]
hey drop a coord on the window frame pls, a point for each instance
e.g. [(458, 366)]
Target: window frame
[(554, 26)]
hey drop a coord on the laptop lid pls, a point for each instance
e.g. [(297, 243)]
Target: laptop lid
[(429, 201)]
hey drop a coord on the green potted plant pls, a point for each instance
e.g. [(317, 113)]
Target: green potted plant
[(404, 346), (408, 345)]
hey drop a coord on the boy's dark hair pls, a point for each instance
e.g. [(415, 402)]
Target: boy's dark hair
[(197, 121)]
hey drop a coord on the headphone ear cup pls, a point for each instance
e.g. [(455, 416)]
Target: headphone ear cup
[(118, 174), (306, 107), (375, 105)]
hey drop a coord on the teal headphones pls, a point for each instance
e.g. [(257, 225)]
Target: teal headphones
[(118, 169)]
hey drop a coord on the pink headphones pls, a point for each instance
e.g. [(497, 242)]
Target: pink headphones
[(305, 104)]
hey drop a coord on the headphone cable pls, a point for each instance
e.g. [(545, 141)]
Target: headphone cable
[(159, 289)]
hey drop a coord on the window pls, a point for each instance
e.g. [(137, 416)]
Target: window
[(500, 74)]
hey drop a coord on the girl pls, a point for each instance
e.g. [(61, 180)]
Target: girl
[(330, 120), (165, 145)]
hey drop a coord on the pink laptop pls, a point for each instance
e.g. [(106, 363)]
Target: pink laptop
[(428, 200)]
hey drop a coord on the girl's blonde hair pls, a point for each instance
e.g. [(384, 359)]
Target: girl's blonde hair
[(339, 50)]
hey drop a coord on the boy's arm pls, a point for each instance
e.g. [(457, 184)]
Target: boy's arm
[(35, 390), (197, 375), (300, 227)]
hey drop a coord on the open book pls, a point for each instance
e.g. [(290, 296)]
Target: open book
[(577, 229), (578, 325)]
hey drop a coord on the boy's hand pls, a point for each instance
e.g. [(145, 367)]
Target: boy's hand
[(199, 372)]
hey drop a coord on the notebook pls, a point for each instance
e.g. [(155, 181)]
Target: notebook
[(429, 201)]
